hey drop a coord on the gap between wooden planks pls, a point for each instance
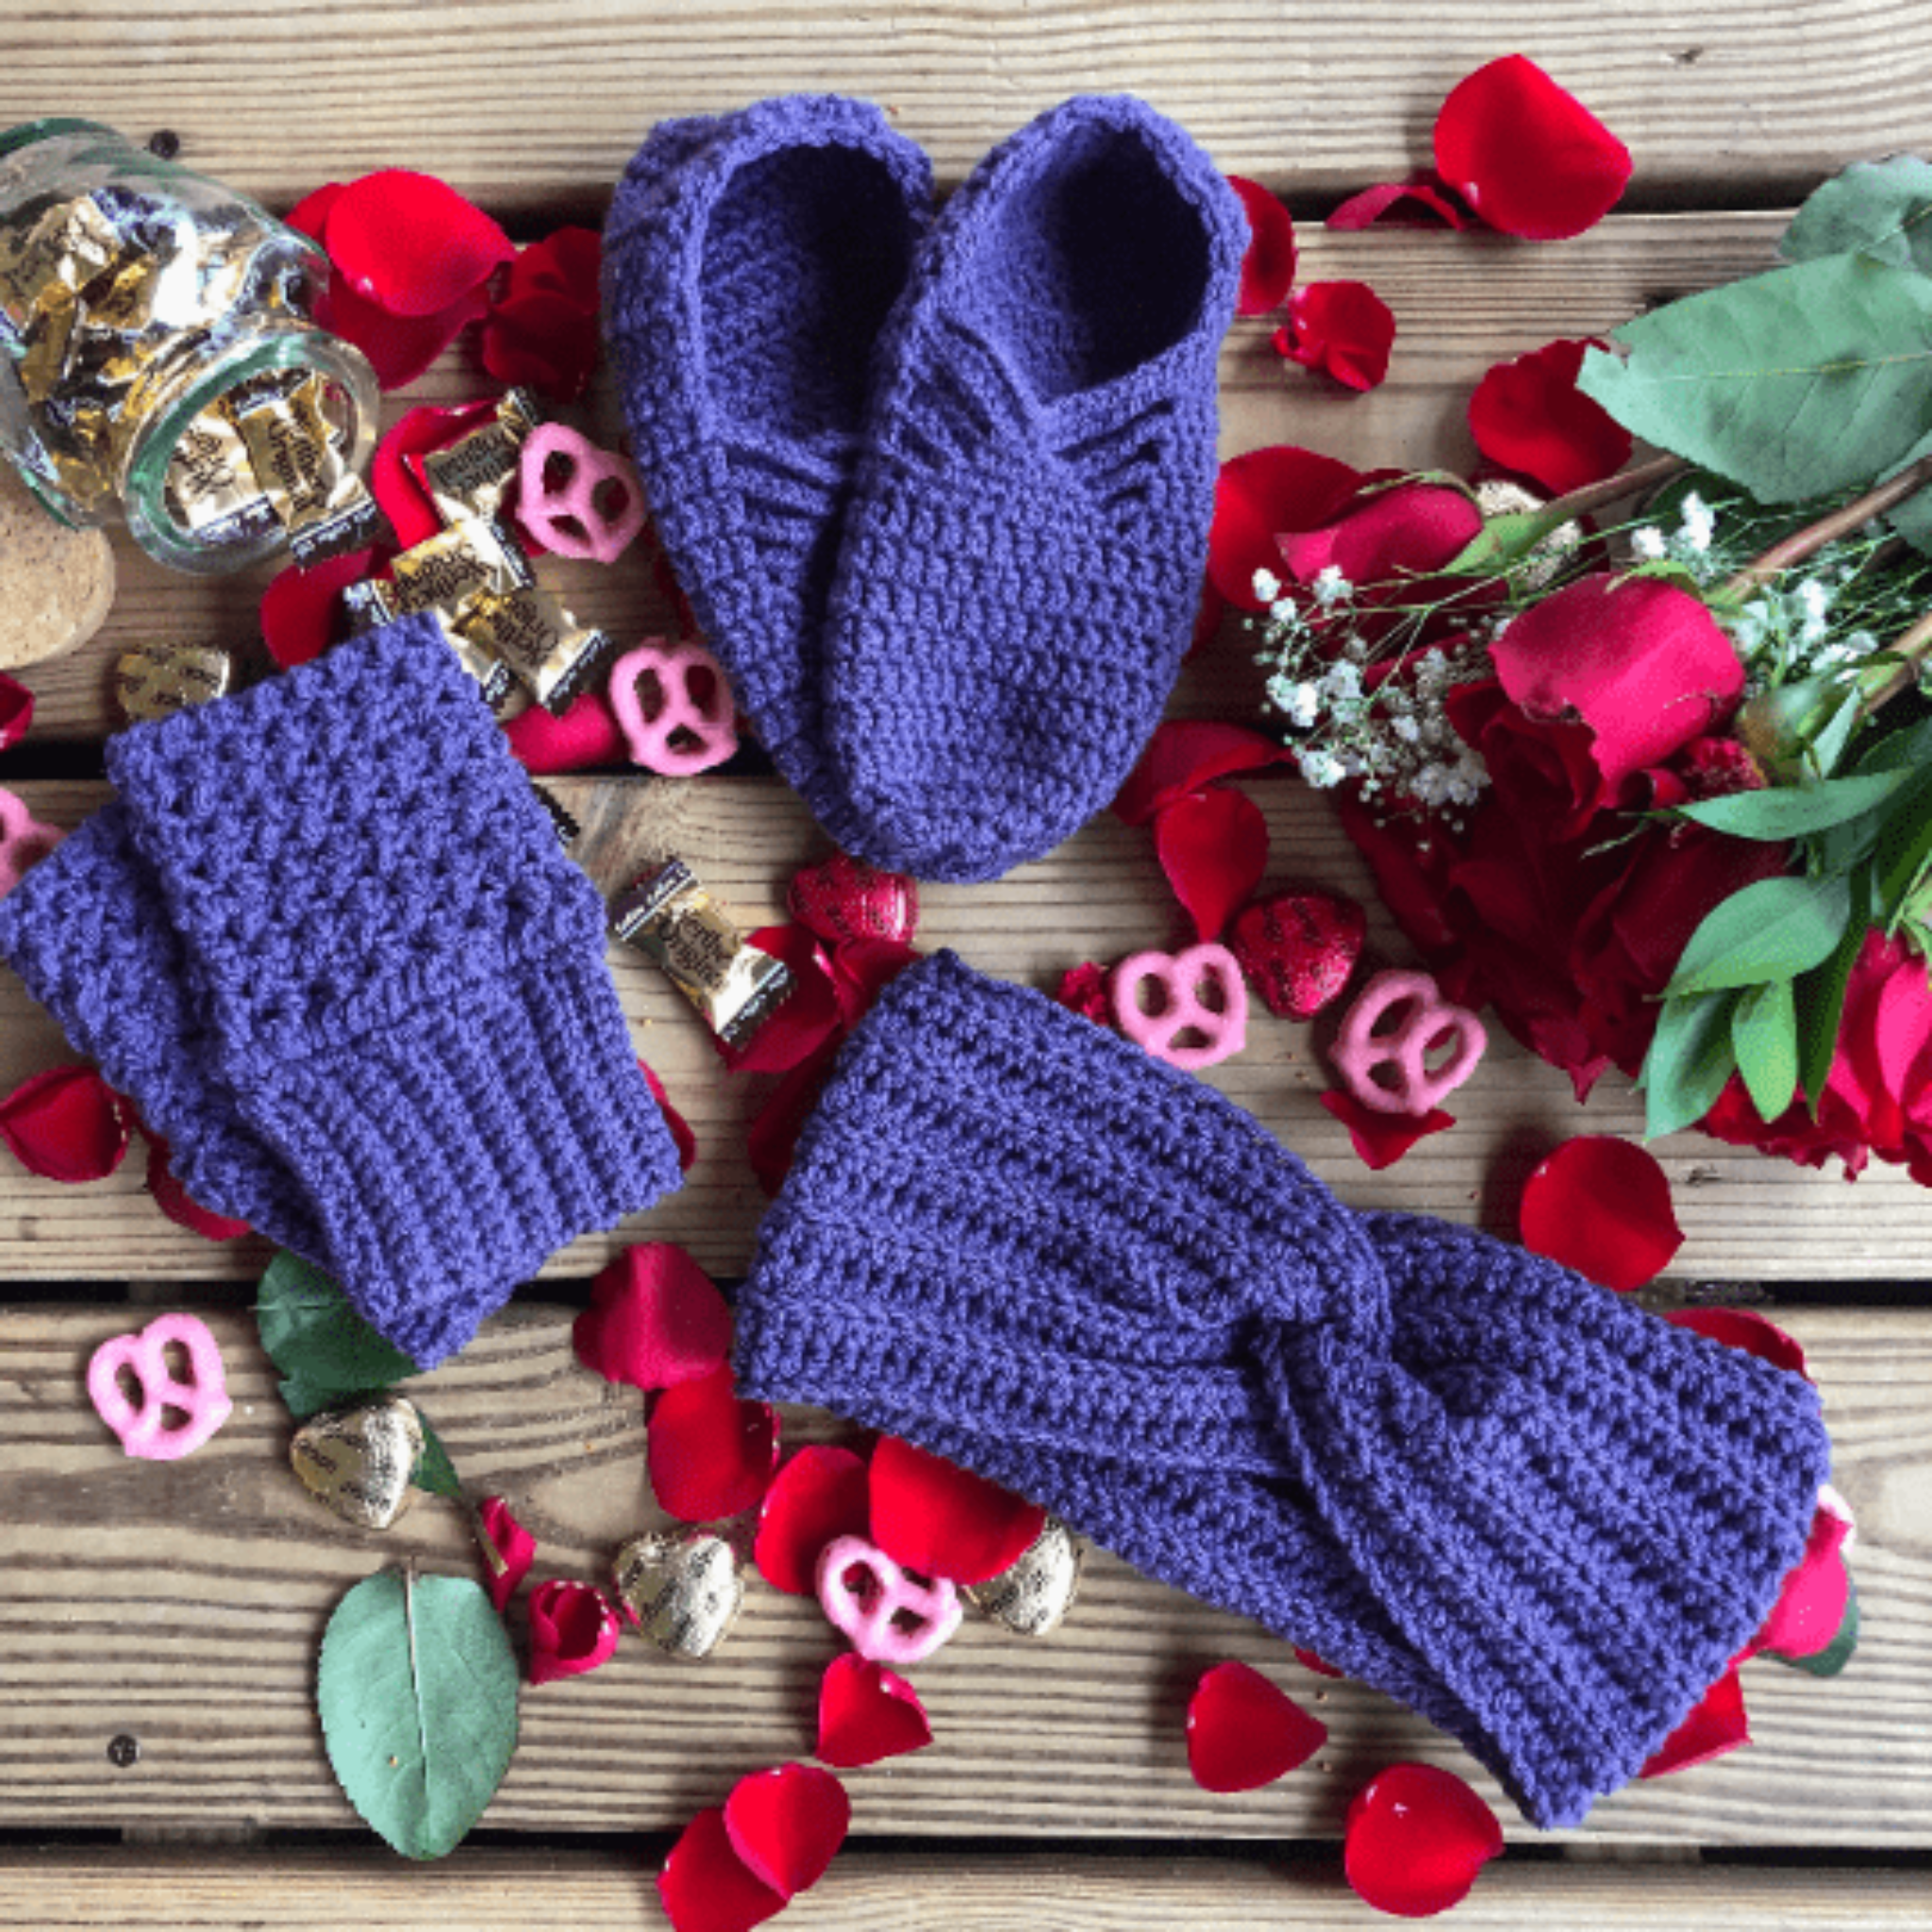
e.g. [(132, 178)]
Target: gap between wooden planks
[(524, 105), (1100, 896), (869, 1892), (180, 1605)]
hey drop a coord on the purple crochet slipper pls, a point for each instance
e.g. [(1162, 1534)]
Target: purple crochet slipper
[(749, 263), (1024, 548)]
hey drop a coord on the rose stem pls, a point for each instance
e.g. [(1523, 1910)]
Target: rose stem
[(1828, 529), (1913, 645), (1593, 496)]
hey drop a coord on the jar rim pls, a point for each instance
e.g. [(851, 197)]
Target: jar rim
[(50, 127)]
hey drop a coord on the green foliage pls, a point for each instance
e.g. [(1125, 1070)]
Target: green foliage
[(1880, 209), (1691, 1057), (1764, 1038), (1787, 811), (417, 1693), (1831, 1660), (1773, 929)]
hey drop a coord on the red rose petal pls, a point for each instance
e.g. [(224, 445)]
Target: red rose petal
[(1602, 1206), (1716, 1725), (1380, 1140), (776, 1125), (411, 243), (787, 1825), (1744, 1328), (1408, 532), (806, 1017), (681, 1135), (573, 1630), (1257, 497), (1213, 848), (703, 1885), (1185, 755), (931, 1516), (395, 480), (174, 1201), (1309, 1661), (1420, 202), (824, 1492), (862, 969), (310, 214), (299, 608), (1810, 1608), (1244, 1732), (867, 1713), (587, 734), (1268, 266), (1529, 416), (709, 1454), (566, 261), (1640, 661), (66, 1124), (656, 1318), (1083, 990), (16, 711), (543, 342), (514, 1547), (1529, 156), (399, 347), (1343, 330), (1415, 1840)]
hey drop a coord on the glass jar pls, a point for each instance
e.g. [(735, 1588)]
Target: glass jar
[(134, 297)]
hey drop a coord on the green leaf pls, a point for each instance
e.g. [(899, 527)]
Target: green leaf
[(1903, 850), (1912, 520), (320, 1344), (1764, 1036), (1880, 209), (1773, 929), (1789, 811), (436, 1473), (1829, 746), (1836, 1655), (1796, 383), (417, 1693), (1690, 1059), (1821, 995)]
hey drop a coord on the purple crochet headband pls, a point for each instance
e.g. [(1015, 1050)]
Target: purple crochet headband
[(1539, 1515)]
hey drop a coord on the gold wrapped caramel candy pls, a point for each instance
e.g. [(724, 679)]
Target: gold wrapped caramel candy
[(1037, 1592), (156, 680), (683, 1587), (360, 1461), (553, 655), (671, 918), (473, 477)]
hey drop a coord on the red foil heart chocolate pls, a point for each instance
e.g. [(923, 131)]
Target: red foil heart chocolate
[(1299, 949), (845, 898)]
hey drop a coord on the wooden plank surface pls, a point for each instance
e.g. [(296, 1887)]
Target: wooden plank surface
[(1100, 896), (1462, 302), (532, 104), (869, 1892), (180, 1605)]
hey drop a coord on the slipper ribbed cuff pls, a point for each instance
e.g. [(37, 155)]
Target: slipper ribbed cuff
[(1538, 1514)]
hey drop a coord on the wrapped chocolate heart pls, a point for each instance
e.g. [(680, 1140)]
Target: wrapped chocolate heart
[(681, 1587), (1033, 1597), (154, 680), (360, 1461), (845, 898), (1299, 949)]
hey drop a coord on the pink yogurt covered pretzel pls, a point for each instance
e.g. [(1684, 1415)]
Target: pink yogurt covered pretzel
[(897, 1620), (202, 1401), (1433, 1023)]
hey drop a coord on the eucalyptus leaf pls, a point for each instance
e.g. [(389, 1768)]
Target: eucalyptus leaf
[(417, 1694), (1690, 1059), (1773, 929), (1795, 383), (1789, 811), (1821, 994), (1880, 209), (1764, 1036), (324, 1347)]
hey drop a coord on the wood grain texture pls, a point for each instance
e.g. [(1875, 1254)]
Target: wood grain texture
[(867, 1892), (529, 103), (1100, 896), (1462, 302), (181, 1604)]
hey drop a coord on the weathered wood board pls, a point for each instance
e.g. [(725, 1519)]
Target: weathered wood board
[(181, 1604)]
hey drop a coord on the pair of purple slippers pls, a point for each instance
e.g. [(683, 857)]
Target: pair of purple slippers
[(937, 486)]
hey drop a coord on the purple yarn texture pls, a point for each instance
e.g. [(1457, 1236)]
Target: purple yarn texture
[(939, 490), (1539, 1515), (326, 941)]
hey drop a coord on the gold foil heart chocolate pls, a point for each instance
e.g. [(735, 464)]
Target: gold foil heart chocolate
[(154, 680), (683, 1589), (360, 1461), (1032, 1597)]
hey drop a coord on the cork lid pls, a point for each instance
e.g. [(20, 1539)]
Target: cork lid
[(56, 585)]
